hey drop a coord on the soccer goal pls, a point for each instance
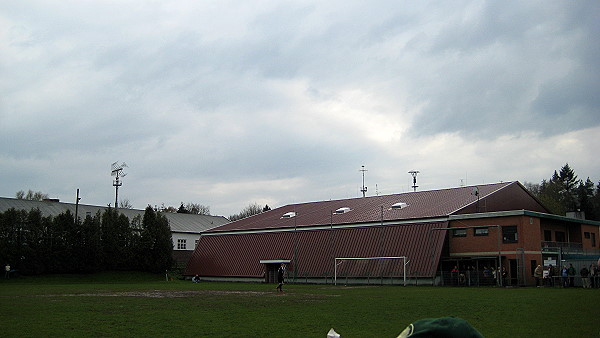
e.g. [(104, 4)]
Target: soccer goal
[(367, 268)]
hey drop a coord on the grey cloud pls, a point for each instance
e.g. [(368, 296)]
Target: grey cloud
[(192, 92)]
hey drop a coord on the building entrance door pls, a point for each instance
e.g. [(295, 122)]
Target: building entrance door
[(271, 273), (270, 268)]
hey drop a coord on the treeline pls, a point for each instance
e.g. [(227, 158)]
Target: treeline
[(564, 192), (36, 244), (251, 210)]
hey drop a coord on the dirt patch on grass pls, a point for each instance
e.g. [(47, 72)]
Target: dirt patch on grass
[(165, 294)]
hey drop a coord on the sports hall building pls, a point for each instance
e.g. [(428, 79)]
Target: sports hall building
[(465, 229)]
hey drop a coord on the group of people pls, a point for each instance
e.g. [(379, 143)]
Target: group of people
[(590, 278), (470, 276)]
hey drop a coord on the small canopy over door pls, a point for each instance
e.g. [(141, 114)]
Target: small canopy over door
[(270, 268)]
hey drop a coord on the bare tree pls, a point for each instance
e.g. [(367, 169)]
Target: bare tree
[(31, 195), (125, 204), (250, 210), (187, 208), (197, 209)]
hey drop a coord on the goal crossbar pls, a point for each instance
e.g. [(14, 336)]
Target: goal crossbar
[(342, 259)]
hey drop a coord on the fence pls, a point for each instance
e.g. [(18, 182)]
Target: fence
[(480, 278)]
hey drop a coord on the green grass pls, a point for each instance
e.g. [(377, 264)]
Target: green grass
[(135, 305)]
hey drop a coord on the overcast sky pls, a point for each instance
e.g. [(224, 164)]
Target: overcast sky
[(227, 103)]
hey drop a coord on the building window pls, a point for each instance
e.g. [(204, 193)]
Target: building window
[(586, 235), (509, 234), (560, 236), (481, 231), (593, 239), (181, 244), (547, 235), (459, 233)]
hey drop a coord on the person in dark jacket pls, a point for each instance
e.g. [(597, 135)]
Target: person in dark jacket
[(280, 277), (571, 273), (585, 277), (551, 274)]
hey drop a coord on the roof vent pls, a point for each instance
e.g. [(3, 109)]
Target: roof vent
[(289, 214), (399, 205), (342, 210)]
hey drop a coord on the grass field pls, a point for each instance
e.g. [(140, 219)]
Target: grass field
[(135, 305)]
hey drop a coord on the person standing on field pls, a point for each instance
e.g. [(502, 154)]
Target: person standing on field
[(280, 277), (565, 276), (538, 273), (585, 277), (571, 273)]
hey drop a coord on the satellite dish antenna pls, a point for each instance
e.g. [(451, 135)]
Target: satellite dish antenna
[(117, 171)]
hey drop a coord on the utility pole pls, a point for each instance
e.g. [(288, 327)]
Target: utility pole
[(77, 207)]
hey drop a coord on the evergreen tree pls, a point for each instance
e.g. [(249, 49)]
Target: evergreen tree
[(89, 250), (550, 195), (156, 241), (568, 183), (182, 209), (585, 198), (563, 192), (116, 243)]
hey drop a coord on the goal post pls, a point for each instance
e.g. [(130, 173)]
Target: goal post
[(370, 267)]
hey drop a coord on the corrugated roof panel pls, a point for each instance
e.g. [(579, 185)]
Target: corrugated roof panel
[(313, 251), (423, 204)]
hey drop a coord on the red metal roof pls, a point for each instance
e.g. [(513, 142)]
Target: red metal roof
[(371, 228), (239, 255), (421, 205)]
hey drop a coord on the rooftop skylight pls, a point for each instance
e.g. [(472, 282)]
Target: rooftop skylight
[(342, 210), (289, 214), (399, 205)]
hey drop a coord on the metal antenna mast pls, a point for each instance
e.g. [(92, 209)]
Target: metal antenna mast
[(414, 175), (117, 171), (363, 189)]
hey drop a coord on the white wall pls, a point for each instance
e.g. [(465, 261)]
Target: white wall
[(190, 240)]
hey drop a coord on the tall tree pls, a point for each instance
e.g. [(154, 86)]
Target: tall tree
[(550, 196), (564, 192), (585, 198), (116, 240), (157, 241), (568, 183)]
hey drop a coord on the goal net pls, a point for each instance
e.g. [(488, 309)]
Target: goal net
[(367, 268)]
